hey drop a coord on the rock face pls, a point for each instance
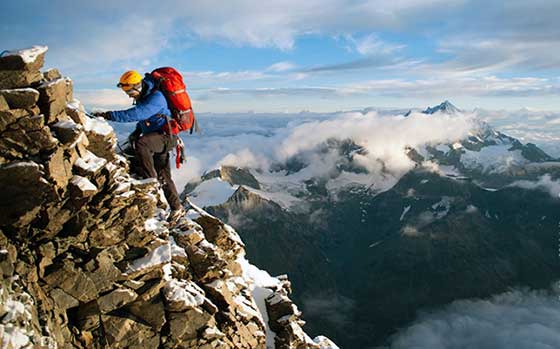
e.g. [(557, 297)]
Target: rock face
[(87, 259)]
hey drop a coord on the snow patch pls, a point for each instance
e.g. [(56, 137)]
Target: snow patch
[(185, 292), (212, 192), (21, 164), (457, 145), (99, 126), (493, 159), (28, 55), (404, 212), (90, 162), (324, 343), (83, 184), (67, 124), (260, 284), (157, 256)]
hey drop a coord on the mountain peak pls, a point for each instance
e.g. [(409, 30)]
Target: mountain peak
[(446, 107)]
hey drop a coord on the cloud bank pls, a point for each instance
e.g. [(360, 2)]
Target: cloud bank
[(519, 319), (264, 143), (545, 183)]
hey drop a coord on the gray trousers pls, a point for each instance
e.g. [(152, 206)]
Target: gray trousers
[(152, 151)]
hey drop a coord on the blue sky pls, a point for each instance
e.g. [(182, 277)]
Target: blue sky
[(318, 55)]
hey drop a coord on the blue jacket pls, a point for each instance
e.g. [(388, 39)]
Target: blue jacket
[(147, 110)]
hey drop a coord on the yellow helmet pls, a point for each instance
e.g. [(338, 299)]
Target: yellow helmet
[(129, 79)]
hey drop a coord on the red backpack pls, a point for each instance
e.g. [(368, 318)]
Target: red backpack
[(170, 82)]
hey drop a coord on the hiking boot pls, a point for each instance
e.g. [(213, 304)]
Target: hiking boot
[(176, 215)]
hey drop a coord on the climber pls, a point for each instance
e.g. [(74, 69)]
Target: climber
[(151, 145)]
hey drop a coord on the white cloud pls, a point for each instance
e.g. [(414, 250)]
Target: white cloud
[(259, 142), (463, 86), (217, 78), (246, 158), (128, 42), (519, 319), (371, 44), (281, 67), (433, 88), (384, 137), (278, 23), (105, 31), (519, 34), (545, 183)]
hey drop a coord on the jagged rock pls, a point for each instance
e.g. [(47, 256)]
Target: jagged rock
[(59, 169), (20, 143), (20, 97), (89, 165), (75, 111), (285, 321), (220, 234), (188, 235), (88, 316), (51, 74), (182, 295), (22, 183), (206, 262), (3, 104), (48, 253), (31, 123), (67, 131), (57, 217), (18, 78), (73, 281), (123, 332), (106, 274), (52, 100), (9, 117), (152, 312), (134, 284), (102, 237), (69, 90), (31, 59), (185, 325), (63, 300), (82, 187), (280, 309), (229, 291), (102, 139), (116, 299)]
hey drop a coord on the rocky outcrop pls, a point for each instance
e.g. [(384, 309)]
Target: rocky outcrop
[(87, 259), (235, 176)]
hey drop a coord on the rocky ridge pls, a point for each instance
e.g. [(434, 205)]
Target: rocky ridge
[(87, 259)]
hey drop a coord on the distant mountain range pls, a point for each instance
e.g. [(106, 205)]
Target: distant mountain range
[(460, 224)]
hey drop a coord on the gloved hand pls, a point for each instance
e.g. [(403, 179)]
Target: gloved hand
[(102, 114)]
